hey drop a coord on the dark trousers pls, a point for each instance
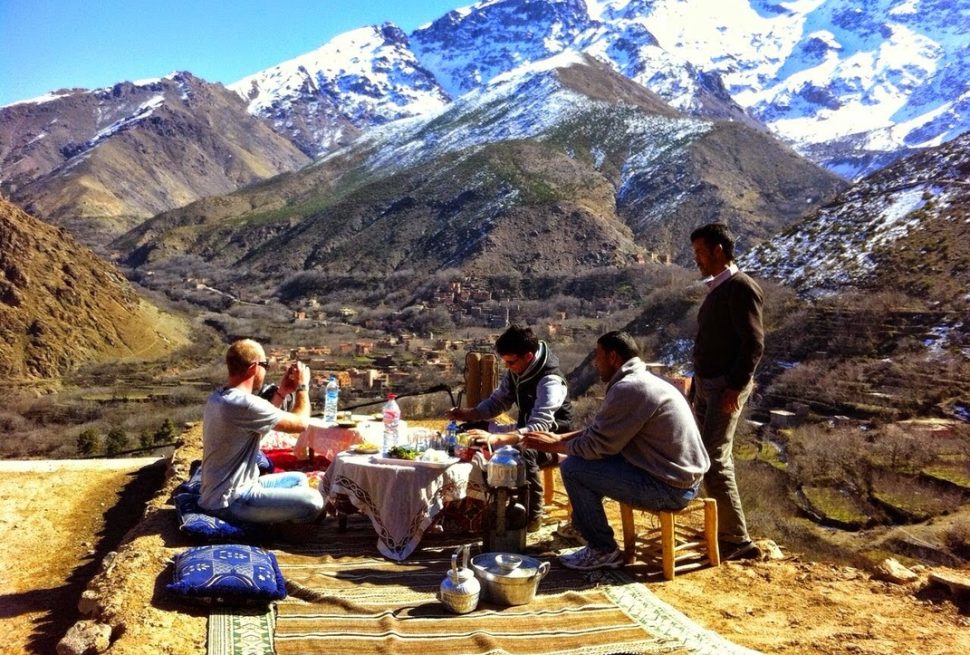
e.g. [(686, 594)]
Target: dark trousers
[(535, 460)]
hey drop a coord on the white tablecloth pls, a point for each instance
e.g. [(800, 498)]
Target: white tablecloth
[(401, 500)]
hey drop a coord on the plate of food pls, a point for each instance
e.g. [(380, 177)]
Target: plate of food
[(406, 455), (365, 448)]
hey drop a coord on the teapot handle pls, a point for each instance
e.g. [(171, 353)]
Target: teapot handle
[(454, 562), (542, 571)]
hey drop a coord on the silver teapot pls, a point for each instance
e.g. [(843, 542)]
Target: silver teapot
[(460, 589), (506, 469)]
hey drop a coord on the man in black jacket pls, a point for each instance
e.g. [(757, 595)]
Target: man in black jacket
[(728, 347), (537, 386)]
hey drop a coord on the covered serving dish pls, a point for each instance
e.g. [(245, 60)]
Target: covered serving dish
[(509, 578)]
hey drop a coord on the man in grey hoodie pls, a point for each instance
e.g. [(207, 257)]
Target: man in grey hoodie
[(642, 448)]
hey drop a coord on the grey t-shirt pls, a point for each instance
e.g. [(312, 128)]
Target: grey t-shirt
[(233, 423)]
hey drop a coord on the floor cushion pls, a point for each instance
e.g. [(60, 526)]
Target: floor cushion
[(196, 522), (228, 574)]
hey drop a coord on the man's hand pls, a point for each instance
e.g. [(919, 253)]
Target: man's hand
[(296, 374), (480, 438), (729, 401), (546, 441), (459, 414)]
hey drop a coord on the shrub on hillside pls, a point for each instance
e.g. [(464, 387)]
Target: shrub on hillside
[(88, 442), (115, 441)]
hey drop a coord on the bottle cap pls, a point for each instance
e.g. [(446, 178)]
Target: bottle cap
[(391, 396)]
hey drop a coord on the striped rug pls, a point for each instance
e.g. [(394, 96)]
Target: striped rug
[(362, 603)]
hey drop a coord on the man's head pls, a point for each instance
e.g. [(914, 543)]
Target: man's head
[(244, 359), (613, 349), (713, 248), (517, 347)]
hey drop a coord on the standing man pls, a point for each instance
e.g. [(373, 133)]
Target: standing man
[(535, 383), (642, 448), (729, 343), (234, 421)]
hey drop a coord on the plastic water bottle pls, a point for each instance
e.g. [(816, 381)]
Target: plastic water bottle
[(392, 420), (451, 438), (330, 401)]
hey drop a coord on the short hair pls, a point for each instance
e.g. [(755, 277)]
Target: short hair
[(716, 234), (241, 355), (517, 340), (621, 343)]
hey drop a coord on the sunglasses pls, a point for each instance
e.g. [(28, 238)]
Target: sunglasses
[(264, 363)]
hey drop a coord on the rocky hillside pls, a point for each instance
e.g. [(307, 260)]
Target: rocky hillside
[(906, 228), (100, 161), (61, 306), (554, 168)]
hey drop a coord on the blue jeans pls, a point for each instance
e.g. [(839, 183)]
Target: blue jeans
[(588, 481), (278, 498)]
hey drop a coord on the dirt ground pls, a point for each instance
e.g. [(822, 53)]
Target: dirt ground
[(59, 525)]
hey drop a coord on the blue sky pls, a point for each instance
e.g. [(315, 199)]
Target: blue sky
[(53, 44)]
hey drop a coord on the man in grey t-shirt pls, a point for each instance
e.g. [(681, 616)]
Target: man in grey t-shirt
[(234, 422), (642, 448)]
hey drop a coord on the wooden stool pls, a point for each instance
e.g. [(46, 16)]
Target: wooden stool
[(549, 491), (677, 542)]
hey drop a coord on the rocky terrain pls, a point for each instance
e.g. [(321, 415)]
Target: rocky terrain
[(60, 305)]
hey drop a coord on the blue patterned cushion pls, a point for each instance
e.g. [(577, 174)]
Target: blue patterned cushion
[(194, 521), (230, 574)]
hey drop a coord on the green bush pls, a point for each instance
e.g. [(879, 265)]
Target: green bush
[(115, 441), (88, 442)]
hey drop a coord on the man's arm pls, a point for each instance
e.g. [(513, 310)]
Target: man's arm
[(500, 401), (746, 321), (298, 418), (550, 395), (548, 441)]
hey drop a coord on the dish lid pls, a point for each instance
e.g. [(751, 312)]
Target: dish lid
[(502, 565)]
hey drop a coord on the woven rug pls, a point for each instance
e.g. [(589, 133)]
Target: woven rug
[(362, 603), (236, 631)]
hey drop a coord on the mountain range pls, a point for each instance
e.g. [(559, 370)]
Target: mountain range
[(101, 161), (555, 167), (851, 86)]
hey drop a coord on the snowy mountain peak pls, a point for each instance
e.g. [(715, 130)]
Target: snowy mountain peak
[(359, 79), (850, 85)]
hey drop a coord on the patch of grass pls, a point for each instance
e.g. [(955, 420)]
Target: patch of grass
[(957, 474), (912, 500), (836, 505), (771, 454), (746, 451)]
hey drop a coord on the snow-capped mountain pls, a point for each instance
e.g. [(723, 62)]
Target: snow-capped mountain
[(359, 79), (555, 167), (124, 153), (851, 85), (904, 228)]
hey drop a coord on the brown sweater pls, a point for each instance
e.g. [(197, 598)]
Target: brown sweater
[(730, 337)]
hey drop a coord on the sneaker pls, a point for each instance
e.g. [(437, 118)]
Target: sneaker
[(588, 559), (731, 551)]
